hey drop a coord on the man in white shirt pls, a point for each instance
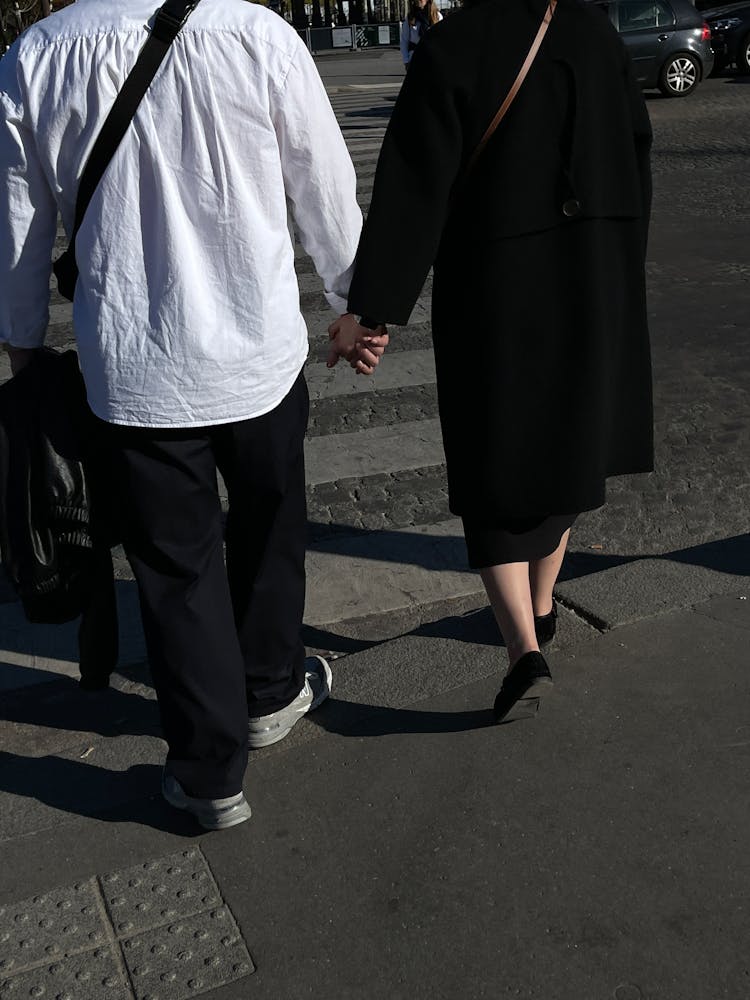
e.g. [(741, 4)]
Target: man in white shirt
[(191, 339)]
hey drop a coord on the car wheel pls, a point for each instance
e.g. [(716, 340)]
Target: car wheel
[(743, 55), (679, 75)]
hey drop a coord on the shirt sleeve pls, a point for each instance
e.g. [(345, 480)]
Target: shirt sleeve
[(319, 177), (29, 214), (411, 200)]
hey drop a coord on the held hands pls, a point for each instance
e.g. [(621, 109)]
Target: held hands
[(361, 347)]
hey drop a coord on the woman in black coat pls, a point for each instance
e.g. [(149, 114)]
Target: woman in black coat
[(539, 313)]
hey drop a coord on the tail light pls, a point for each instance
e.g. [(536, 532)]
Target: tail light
[(706, 35)]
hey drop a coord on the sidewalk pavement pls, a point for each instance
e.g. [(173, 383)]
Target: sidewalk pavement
[(402, 846)]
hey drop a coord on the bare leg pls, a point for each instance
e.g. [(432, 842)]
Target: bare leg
[(543, 575), (509, 592)]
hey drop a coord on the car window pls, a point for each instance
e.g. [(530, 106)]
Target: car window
[(638, 14)]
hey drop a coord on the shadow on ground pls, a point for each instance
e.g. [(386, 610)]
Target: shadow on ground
[(346, 718), (84, 789), (384, 111), (60, 704)]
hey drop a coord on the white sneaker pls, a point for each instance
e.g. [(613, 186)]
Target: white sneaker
[(263, 730), (212, 814)]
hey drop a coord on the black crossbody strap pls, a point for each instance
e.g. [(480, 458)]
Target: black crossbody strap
[(167, 23)]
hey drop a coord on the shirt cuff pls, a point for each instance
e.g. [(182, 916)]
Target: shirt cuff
[(336, 303), (369, 323)]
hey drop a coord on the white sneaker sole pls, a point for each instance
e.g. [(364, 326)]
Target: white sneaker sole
[(258, 740), (234, 811)]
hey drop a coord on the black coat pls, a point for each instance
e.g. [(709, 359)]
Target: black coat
[(539, 312)]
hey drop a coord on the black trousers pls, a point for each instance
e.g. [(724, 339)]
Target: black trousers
[(98, 639), (222, 639)]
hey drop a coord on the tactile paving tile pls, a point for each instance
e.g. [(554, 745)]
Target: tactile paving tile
[(90, 975), (187, 957), (50, 927), (159, 892)]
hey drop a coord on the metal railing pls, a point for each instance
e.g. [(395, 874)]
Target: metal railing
[(17, 15), (351, 36)]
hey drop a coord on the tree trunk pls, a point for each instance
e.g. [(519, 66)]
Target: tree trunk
[(317, 17)]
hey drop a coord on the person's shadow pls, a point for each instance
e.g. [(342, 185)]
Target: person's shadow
[(347, 718), (133, 796), (59, 703), (83, 789), (40, 769)]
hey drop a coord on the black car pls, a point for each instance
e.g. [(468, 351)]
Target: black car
[(730, 36), (668, 41)]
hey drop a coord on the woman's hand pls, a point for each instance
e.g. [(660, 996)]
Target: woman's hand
[(361, 347)]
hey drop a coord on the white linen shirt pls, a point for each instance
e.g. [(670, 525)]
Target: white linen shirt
[(187, 308)]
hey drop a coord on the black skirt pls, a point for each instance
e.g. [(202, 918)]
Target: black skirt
[(521, 539)]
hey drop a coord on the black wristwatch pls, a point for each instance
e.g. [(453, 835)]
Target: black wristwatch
[(369, 324)]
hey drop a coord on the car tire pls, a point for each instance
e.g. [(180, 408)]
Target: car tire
[(680, 75), (743, 55)]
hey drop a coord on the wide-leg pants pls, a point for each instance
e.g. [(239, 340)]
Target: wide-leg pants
[(222, 639)]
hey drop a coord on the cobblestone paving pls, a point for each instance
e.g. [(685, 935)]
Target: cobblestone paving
[(384, 500), (372, 409), (702, 150)]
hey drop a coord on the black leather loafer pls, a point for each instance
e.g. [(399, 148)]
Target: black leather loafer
[(545, 626), (523, 688)]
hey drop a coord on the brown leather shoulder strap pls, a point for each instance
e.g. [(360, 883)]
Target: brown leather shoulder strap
[(511, 95)]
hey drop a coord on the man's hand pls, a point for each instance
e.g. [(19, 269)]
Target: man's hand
[(19, 357), (361, 347)]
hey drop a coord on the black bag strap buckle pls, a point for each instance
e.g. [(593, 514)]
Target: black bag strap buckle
[(170, 18)]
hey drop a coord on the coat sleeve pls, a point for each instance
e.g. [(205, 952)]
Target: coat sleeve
[(418, 166)]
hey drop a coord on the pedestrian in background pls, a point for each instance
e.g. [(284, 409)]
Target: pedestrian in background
[(422, 15), (191, 340), (539, 309)]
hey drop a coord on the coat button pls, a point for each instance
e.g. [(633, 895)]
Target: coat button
[(571, 208)]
